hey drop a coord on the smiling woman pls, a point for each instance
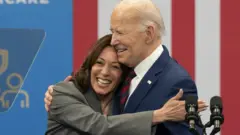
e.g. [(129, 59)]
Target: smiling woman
[(103, 70), (105, 76)]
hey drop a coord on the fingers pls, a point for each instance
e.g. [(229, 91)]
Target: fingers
[(201, 101), (48, 94), (182, 103), (201, 109), (202, 104), (50, 89), (46, 101), (178, 96), (48, 97), (46, 107), (68, 78)]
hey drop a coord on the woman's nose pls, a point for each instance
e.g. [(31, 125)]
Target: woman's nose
[(105, 70)]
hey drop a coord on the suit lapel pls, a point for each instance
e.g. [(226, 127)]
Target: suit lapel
[(147, 82), (93, 101), (116, 104)]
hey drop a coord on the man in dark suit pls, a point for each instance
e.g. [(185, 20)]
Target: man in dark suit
[(137, 29)]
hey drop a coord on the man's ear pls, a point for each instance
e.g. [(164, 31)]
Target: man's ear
[(150, 34)]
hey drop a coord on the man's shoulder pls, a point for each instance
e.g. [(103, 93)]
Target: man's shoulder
[(176, 69)]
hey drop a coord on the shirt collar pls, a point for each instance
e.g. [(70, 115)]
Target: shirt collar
[(142, 68)]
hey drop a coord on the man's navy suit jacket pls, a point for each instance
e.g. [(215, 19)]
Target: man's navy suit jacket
[(166, 77)]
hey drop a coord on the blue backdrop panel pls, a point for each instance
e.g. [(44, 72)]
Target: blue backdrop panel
[(52, 63), (15, 62)]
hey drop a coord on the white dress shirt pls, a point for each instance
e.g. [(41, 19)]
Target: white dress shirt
[(142, 68)]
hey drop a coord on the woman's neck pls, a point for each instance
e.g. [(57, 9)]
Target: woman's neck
[(105, 102)]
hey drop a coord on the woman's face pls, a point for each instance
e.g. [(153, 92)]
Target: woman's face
[(106, 72)]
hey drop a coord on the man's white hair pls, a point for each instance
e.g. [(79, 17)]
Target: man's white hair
[(148, 12)]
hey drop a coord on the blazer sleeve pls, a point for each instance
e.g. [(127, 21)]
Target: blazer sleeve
[(69, 107), (189, 88)]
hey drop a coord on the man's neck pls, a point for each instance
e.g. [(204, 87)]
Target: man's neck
[(154, 45)]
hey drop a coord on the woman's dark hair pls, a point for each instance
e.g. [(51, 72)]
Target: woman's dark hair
[(81, 78)]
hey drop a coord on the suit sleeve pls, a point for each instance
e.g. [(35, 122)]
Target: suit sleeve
[(69, 108), (189, 88)]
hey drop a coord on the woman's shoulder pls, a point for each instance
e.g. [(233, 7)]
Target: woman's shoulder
[(67, 88)]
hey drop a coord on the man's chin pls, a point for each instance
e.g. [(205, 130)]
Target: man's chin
[(125, 60), (126, 63), (122, 60)]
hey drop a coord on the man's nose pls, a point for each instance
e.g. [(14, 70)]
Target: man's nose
[(114, 40)]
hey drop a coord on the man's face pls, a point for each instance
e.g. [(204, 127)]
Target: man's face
[(128, 40)]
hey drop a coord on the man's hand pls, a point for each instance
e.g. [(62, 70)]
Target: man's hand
[(48, 97), (48, 94), (68, 78), (174, 109)]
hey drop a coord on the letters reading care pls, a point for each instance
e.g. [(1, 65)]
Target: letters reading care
[(24, 2)]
